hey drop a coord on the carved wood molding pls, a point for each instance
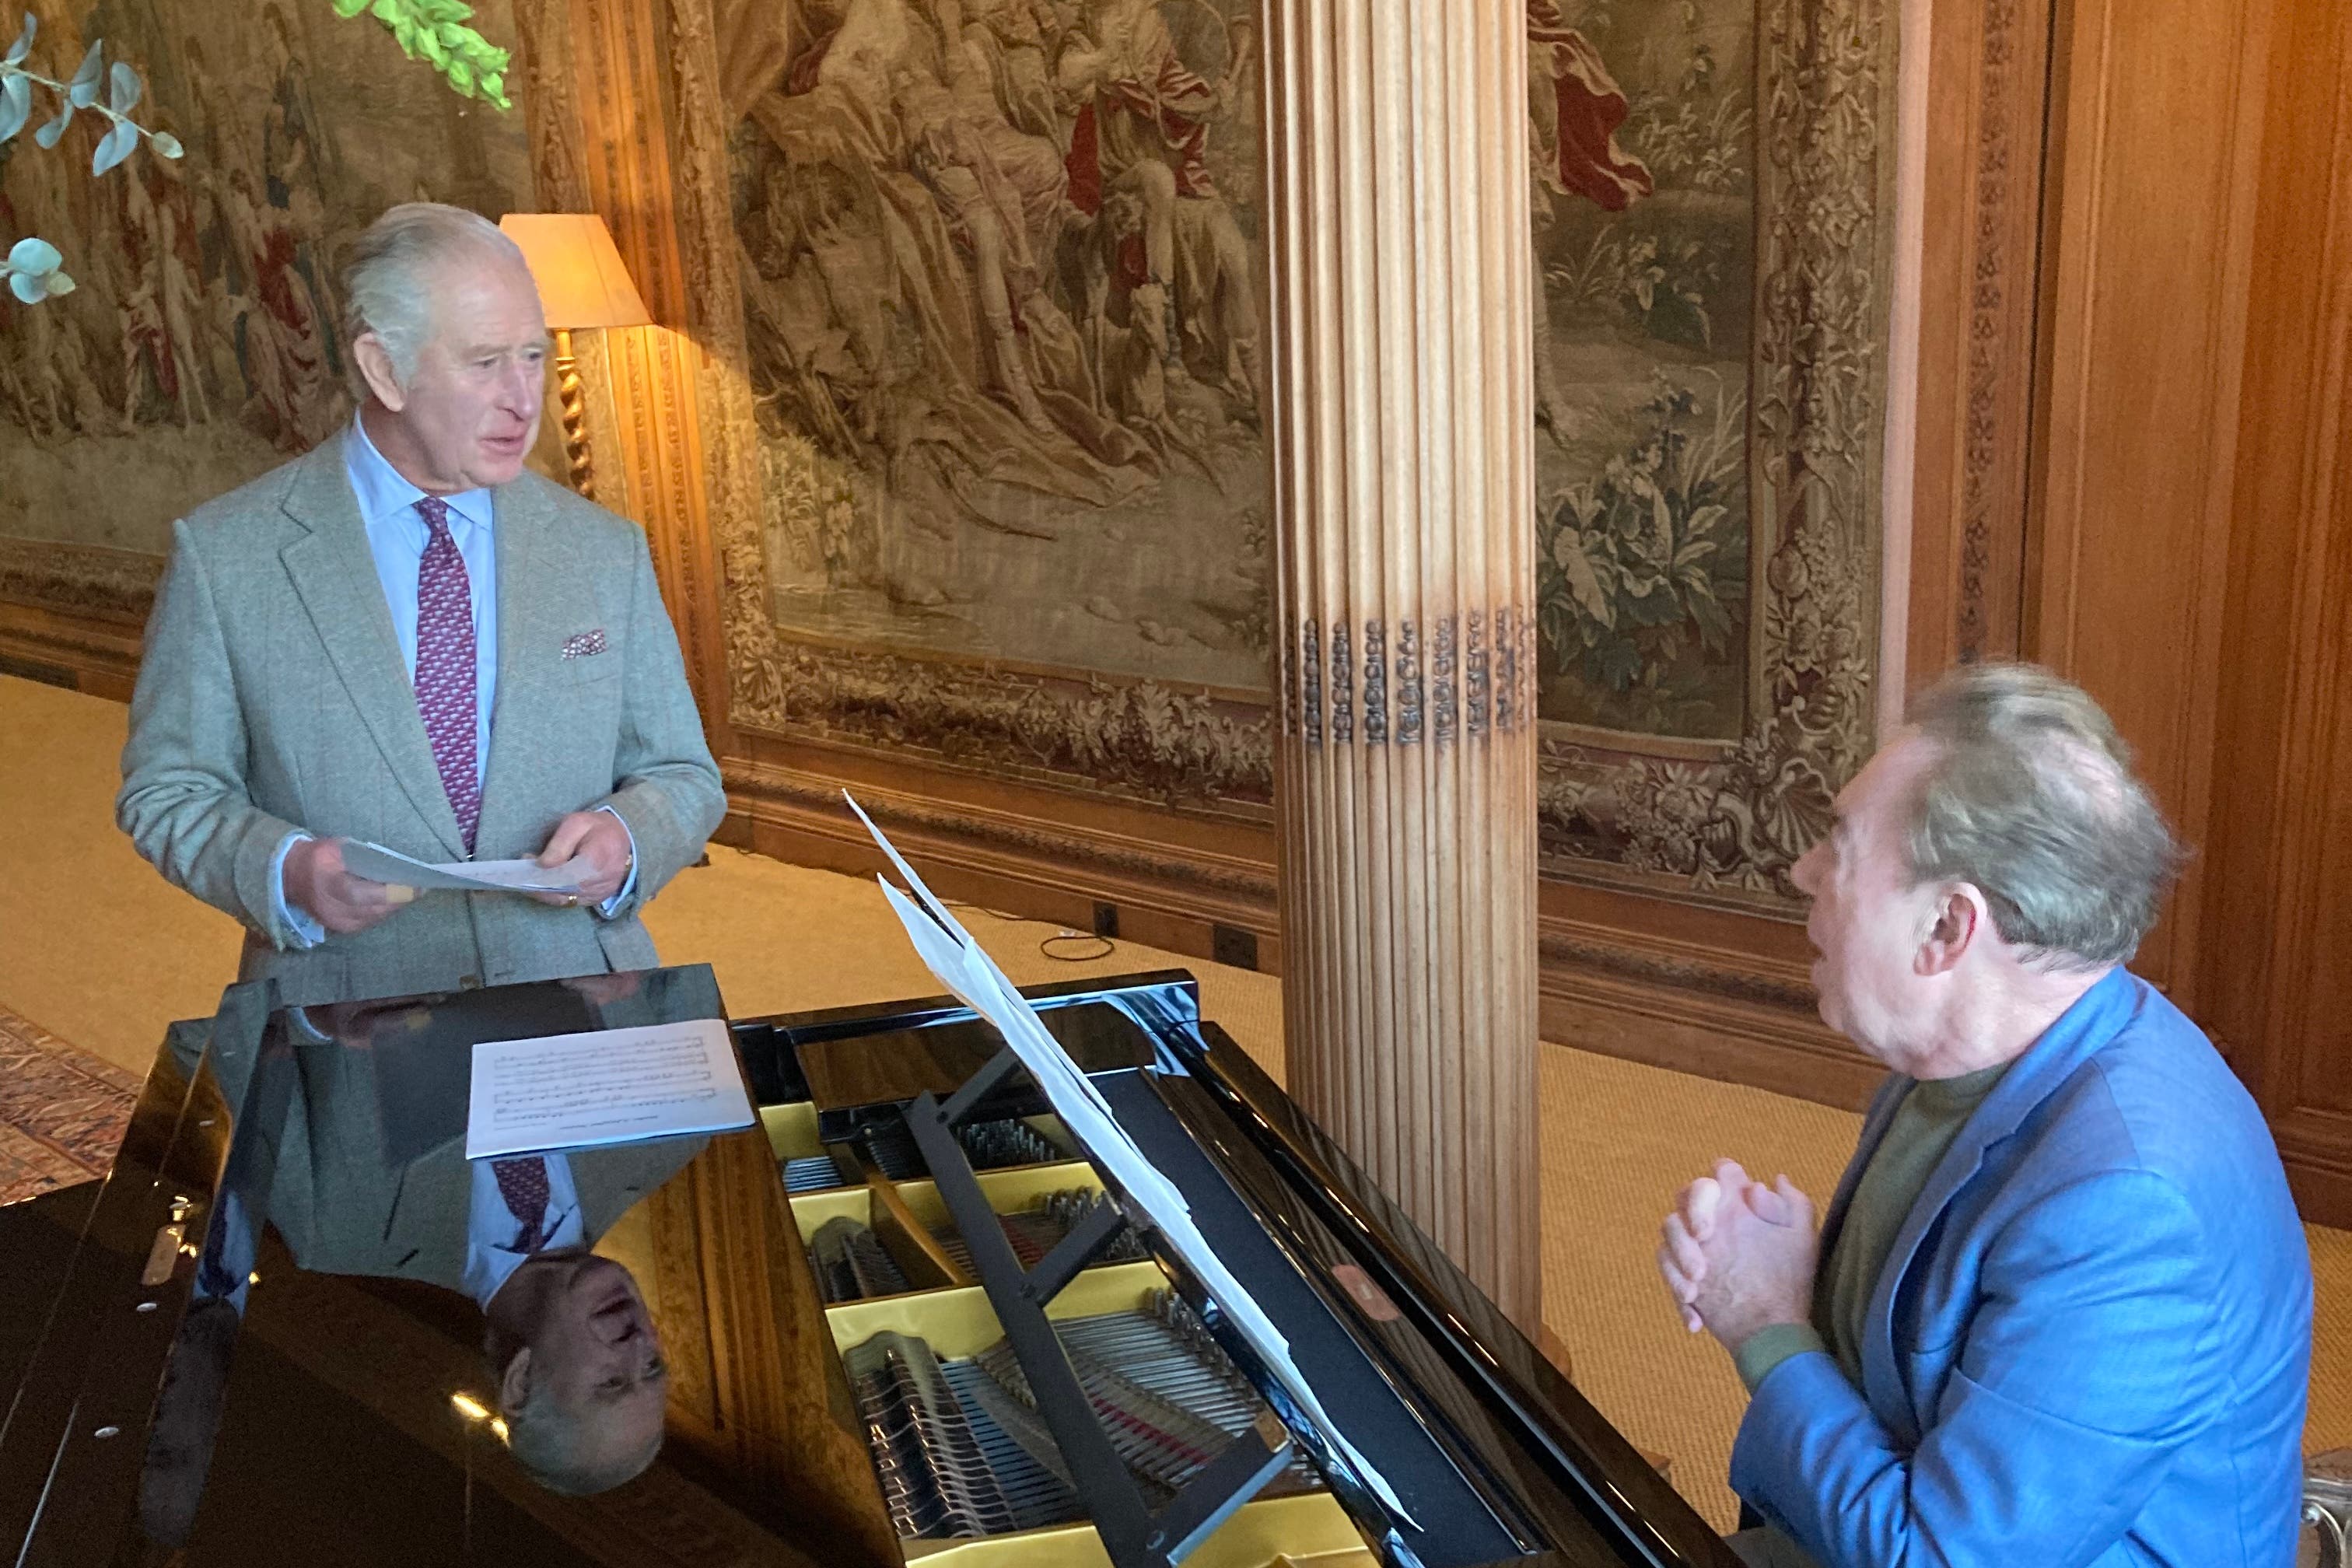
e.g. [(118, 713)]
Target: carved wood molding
[(1439, 682), (117, 586), (2003, 249)]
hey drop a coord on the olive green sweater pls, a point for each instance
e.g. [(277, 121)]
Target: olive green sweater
[(1930, 1118)]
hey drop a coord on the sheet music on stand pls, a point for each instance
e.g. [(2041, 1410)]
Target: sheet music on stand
[(966, 969)]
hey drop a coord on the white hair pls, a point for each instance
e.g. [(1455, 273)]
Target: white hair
[(388, 275)]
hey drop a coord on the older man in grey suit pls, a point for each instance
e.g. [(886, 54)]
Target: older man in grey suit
[(404, 637)]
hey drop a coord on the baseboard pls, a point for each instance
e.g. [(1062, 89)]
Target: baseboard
[(1718, 1010), (1712, 1009), (80, 653), (2318, 1171), (1184, 900)]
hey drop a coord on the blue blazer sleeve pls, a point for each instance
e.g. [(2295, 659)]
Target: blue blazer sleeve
[(2090, 1359)]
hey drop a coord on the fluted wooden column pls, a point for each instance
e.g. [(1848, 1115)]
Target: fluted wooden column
[(1403, 384)]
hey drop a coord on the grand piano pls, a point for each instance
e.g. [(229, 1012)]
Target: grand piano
[(907, 1317)]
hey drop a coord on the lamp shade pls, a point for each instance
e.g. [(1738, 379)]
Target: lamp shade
[(582, 282)]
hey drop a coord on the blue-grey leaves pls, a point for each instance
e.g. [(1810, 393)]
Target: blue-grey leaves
[(33, 268), (83, 89), (47, 134), (16, 105), (115, 146)]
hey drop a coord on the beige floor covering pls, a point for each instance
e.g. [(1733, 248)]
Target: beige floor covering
[(99, 951)]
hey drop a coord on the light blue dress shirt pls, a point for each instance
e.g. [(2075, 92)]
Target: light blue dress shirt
[(397, 535), (492, 1231)]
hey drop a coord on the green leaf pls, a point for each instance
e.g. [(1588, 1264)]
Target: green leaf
[(58, 283), (494, 90), (461, 76), (122, 87), (163, 144), (347, 9), (23, 44), (429, 45), (113, 147)]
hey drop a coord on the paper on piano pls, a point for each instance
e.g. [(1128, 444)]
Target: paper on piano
[(607, 1086), (966, 969), (378, 864)]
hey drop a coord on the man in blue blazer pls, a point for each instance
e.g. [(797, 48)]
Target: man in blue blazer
[(2060, 1310)]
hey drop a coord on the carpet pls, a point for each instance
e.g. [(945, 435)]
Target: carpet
[(62, 1111)]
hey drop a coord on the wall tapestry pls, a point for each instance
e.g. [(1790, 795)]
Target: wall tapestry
[(1001, 281), (199, 348), (1712, 198), (993, 488)]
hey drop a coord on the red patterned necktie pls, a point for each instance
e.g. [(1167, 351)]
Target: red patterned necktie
[(445, 692), (523, 1184)]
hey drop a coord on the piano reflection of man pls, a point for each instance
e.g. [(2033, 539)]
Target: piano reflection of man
[(372, 1179)]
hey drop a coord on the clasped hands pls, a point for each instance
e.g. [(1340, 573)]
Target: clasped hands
[(1739, 1256), (317, 883)]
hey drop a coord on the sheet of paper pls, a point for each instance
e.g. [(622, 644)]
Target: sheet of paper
[(378, 864), (607, 1086), (967, 970)]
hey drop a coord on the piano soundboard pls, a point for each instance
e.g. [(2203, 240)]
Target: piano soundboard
[(1493, 1456)]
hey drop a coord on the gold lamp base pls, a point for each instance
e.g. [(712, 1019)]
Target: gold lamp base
[(574, 403)]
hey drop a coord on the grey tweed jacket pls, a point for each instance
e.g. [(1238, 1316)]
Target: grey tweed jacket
[(272, 695)]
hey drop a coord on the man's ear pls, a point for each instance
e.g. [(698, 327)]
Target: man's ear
[(375, 368), (1960, 917), (514, 1384)]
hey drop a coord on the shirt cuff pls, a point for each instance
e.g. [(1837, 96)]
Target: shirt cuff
[(306, 932), (611, 906), (1767, 1347)]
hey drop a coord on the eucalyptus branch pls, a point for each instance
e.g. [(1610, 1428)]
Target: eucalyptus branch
[(33, 266), (436, 32)]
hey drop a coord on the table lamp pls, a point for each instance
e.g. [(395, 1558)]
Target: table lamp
[(581, 285)]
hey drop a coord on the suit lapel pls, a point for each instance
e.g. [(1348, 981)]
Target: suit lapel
[(334, 573), (535, 580), (2093, 1020)]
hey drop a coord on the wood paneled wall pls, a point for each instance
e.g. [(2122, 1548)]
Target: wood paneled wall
[(2150, 494), (2273, 963), (2153, 145)]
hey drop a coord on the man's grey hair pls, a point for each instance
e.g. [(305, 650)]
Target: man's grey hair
[(2033, 800), (388, 276), (560, 1450)]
